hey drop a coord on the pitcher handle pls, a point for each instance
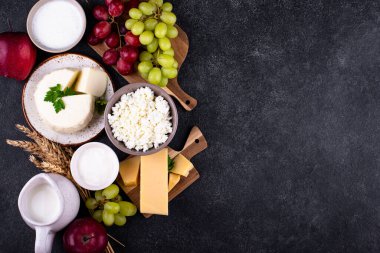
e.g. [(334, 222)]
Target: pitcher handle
[(44, 240)]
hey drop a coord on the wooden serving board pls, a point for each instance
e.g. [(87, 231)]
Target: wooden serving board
[(181, 47), (195, 143)]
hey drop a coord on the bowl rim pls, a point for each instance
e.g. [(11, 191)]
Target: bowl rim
[(29, 29), (75, 170), (131, 88)]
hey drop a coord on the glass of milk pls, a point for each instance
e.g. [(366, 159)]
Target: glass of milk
[(56, 25)]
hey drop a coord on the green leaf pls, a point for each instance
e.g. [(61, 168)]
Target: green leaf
[(59, 105), (68, 92), (100, 105), (55, 95), (170, 164)]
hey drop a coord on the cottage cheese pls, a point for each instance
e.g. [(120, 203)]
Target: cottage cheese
[(140, 120)]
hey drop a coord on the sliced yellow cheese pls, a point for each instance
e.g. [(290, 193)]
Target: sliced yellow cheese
[(173, 180), (92, 81), (154, 183), (129, 170), (182, 166)]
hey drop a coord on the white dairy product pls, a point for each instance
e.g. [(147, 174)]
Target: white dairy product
[(64, 77), (79, 109), (140, 120), (94, 166), (43, 204), (78, 112), (57, 24), (92, 81)]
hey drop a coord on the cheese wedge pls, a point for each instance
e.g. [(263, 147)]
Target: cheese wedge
[(92, 81), (129, 170), (64, 77), (173, 180), (154, 183), (182, 166)]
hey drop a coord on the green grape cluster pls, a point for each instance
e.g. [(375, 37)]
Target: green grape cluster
[(154, 22), (109, 206)]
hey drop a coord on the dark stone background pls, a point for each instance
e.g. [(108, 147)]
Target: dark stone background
[(288, 97)]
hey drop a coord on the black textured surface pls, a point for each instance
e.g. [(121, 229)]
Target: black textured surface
[(288, 99)]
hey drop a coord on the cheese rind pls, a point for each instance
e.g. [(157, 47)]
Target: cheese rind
[(173, 180), (154, 183), (129, 170), (182, 166), (92, 81)]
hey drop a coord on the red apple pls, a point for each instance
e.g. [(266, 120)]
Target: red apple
[(17, 55), (85, 236)]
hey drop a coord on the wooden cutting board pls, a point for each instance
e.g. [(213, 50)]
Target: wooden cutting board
[(195, 143), (181, 47)]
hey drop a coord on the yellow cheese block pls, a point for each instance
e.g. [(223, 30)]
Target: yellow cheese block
[(182, 166), (129, 170), (173, 180), (154, 183)]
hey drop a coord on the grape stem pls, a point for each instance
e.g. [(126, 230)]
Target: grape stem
[(118, 30), (157, 14), (155, 62)]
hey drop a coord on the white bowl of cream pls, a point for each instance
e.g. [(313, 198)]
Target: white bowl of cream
[(56, 25), (94, 166)]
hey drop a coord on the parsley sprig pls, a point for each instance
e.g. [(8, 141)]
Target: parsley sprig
[(170, 163), (55, 95), (100, 105)]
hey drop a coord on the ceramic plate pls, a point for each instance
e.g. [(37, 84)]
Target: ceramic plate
[(30, 110)]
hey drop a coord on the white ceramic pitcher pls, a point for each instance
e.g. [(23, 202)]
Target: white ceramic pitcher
[(48, 218)]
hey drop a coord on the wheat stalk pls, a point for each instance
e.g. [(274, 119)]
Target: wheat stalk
[(47, 167), (50, 157), (49, 151), (27, 146)]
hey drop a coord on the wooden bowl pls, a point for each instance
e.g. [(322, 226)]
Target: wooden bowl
[(131, 88)]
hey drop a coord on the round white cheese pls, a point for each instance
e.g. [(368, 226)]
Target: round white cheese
[(78, 111)]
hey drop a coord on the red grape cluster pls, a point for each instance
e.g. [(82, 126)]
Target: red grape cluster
[(123, 45)]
